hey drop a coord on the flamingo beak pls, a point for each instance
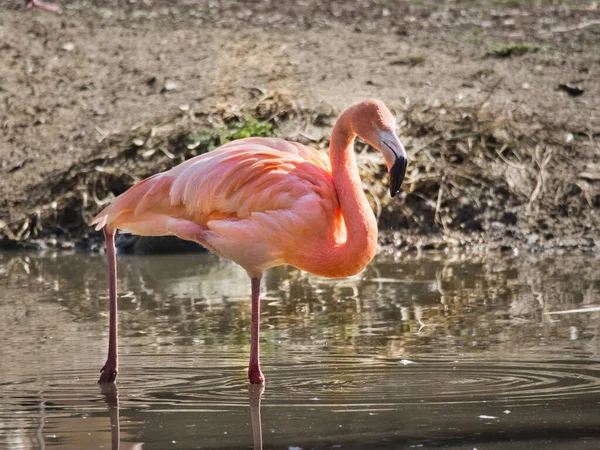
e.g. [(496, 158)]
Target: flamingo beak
[(397, 173), (396, 160)]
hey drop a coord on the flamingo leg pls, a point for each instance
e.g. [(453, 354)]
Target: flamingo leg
[(108, 373), (188, 230), (254, 373)]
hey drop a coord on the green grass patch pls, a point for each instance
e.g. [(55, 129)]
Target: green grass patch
[(409, 61), (238, 128), (502, 50)]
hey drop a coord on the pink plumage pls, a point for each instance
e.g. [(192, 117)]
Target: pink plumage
[(253, 194), (262, 203)]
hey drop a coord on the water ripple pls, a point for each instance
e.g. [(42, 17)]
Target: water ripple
[(357, 382)]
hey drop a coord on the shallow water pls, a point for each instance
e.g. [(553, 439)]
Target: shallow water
[(429, 352)]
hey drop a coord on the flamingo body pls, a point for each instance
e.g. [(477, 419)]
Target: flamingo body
[(258, 199), (262, 203)]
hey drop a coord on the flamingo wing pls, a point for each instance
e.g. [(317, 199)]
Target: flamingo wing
[(260, 199)]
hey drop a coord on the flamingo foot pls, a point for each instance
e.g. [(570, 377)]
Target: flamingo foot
[(108, 373), (255, 375)]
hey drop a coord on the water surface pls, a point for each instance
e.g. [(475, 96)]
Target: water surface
[(416, 352)]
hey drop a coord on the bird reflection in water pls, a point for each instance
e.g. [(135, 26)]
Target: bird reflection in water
[(111, 397), (255, 392)]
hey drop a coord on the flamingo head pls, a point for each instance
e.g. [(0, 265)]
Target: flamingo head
[(374, 123)]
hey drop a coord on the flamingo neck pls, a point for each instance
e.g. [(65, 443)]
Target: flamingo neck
[(361, 226)]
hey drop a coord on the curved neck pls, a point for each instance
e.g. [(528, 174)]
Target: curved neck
[(360, 222)]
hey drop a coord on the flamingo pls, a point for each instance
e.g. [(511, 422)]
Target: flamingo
[(263, 202), (41, 5)]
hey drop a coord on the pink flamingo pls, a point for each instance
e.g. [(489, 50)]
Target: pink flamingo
[(261, 203), (41, 5)]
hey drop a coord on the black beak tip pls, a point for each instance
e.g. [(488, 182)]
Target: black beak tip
[(397, 174)]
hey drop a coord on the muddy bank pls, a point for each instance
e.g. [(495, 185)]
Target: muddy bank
[(477, 178), (498, 104)]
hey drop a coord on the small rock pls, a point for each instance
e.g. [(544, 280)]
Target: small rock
[(572, 90), (169, 86), (68, 47), (401, 30), (66, 245)]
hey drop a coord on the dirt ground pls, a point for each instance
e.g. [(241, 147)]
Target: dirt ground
[(504, 94)]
